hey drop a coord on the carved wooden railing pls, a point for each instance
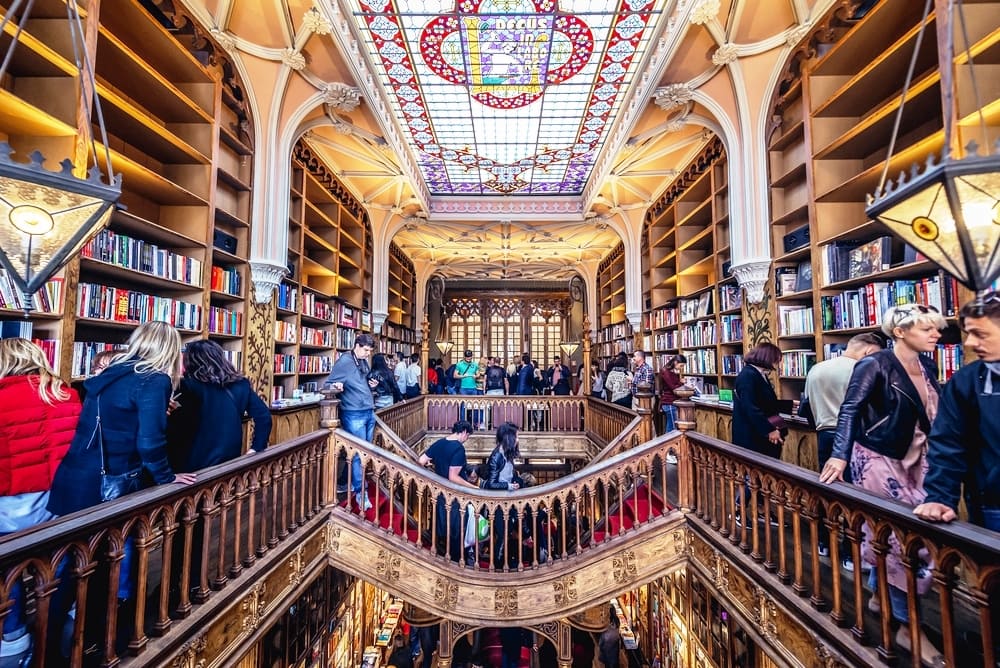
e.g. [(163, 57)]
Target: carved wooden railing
[(576, 513), (778, 528), (613, 428), (388, 440), (234, 515)]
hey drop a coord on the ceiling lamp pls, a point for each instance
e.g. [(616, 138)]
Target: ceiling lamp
[(46, 216), (569, 347), (950, 210), (444, 346)]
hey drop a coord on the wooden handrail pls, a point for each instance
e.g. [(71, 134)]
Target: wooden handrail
[(773, 511), (607, 499), (245, 508)]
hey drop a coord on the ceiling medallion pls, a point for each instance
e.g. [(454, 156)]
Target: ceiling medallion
[(507, 54)]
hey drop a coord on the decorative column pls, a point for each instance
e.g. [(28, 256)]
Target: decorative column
[(446, 641), (685, 465), (643, 405), (564, 646), (585, 355), (425, 329)]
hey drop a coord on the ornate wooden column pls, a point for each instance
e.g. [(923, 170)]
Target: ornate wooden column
[(644, 407), (445, 643), (425, 327), (585, 354), (685, 465)]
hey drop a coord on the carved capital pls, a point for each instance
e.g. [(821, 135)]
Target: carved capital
[(266, 276), (293, 59), (623, 567), (704, 11), (672, 96), (316, 23), (378, 319), (725, 54), (752, 277), (564, 590), (296, 568), (341, 97), (223, 39)]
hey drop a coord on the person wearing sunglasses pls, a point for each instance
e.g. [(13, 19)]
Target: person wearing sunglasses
[(964, 447), (891, 402)]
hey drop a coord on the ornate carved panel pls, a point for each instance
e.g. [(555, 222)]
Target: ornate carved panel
[(258, 364)]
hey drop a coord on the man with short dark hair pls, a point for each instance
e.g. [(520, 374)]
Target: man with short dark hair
[(964, 443), (557, 377), (447, 455), (642, 374), (349, 376), (413, 377), (465, 372)]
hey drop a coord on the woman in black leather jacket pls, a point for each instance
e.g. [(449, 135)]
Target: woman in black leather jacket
[(386, 393), (882, 430), (500, 475)]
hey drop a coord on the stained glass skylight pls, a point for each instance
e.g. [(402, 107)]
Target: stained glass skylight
[(506, 97)]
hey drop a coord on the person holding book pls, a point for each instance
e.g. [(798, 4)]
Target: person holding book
[(882, 430), (670, 380), (964, 444)]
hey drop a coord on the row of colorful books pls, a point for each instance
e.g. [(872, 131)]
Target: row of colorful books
[(796, 363), (47, 300), (131, 306), (227, 279), (138, 255), (701, 333), (224, 321)]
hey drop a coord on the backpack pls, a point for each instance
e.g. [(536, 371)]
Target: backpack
[(495, 377), (617, 385)]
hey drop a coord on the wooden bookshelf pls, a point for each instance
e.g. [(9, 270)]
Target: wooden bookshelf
[(614, 334), (692, 306), (826, 154), (324, 301), (186, 175), (398, 329)]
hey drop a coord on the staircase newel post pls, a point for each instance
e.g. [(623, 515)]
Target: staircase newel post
[(685, 463), (643, 405), (585, 386), (329, 418)]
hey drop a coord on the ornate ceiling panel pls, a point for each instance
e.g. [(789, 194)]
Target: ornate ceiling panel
[(500, 97)]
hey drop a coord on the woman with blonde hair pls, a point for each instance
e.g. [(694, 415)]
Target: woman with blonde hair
[(37, 420), (882, 430), (121, 439)]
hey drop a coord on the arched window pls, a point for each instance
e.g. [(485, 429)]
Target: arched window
[(465, 327), (505, 337)]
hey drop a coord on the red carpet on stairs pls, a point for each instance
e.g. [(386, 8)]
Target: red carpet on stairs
[(639, 506)]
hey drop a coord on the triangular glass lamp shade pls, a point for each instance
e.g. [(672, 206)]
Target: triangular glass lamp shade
[(950, 214), (46, 217)]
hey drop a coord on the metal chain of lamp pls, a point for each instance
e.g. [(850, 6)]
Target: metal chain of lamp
[(45, 216), (949, 211)]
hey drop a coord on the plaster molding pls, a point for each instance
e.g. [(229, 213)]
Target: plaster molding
[(725, 54), (752, 276), (341, 96), (378, 319), (223, 39), (704, 11), (293, 59), (795, 35), (673, 95), (315, 22), (266, 276)]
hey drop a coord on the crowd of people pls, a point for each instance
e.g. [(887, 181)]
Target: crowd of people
[(152, 413)]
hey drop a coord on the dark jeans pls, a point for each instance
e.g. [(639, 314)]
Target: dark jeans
[(454, 538)]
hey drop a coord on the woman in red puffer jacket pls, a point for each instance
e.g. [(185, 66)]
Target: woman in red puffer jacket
[(38, 416)]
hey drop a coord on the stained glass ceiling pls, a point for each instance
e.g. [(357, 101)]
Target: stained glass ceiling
[(506, 97)]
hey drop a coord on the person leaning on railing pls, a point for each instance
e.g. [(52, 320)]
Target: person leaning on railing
[(37, 420), (964, 445), (891, 401)]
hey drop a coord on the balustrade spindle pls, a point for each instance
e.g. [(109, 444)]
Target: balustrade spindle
[(235, 568)]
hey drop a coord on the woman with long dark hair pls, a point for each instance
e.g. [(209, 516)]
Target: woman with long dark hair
[(500, 475), (386, 393), (207, 427)]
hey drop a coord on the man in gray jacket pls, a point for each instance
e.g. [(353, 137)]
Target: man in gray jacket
[(357, 407)]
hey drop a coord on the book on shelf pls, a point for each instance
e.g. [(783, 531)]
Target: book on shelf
[(804, 276), (227, 280), (784, 280), (796, 363), (366, 320), (288, 297), (347, 316), (795, 320), (16, 329), (870, 257), (864, 306), (732, 328), (224, 321), (84, 353), (730, 297)]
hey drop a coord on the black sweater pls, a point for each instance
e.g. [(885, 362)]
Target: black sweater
[(207, 429)]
